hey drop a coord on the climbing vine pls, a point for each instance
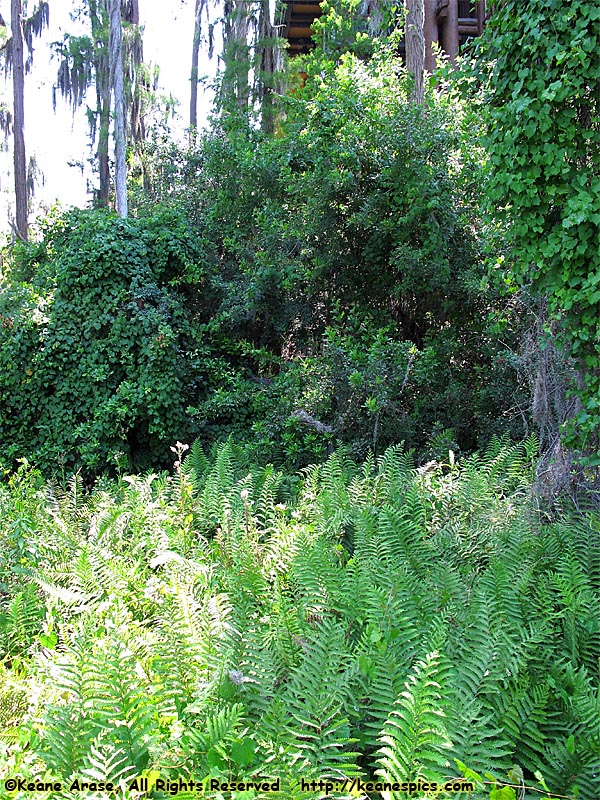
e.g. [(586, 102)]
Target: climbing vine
[(543, 142)]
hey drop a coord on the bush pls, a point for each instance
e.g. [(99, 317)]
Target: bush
[(350, 236), (98, 353)]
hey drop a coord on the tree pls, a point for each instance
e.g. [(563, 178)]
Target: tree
[(237, 27), (415, 45), (20, 163), (22, 31), (251, 57), (85, 61), (116, 73), (269, 64), (200, 7), (543, 141)]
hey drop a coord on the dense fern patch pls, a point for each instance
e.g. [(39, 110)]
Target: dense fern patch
[(376, 622)]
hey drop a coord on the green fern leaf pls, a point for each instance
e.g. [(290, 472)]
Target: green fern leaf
[(414, 739)]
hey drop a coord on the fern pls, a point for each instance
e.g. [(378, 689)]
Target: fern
[(20, 622), (196, 465), (509, 466), (522, 715), (332, 505), (385, 617), (574, 756), (207, 745), (315, 735), (477, 739), (280, 550), (388, 620), (69, 727), (414, 739), (189, 658), (316, 575), (259, 668), (108, 761), (579, 611), (288, 622), (121, 703), (394, 475), (217, 494), (71, 503), (14, 704), (401, 533), (381, 684), (106, 710), (267, 495)]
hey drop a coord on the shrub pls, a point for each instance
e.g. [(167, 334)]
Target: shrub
[(98, 353), (350, 236)]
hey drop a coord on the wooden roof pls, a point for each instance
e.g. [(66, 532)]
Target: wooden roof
[(449, 22), (296, 22)]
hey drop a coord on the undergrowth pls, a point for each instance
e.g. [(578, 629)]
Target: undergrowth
[(378, 622)]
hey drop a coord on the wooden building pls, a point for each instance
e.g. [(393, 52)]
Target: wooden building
[(449, 23), (295, 24)]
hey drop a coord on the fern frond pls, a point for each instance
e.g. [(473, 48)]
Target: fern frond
[(316, 734), (477, 740), (107, 761), (267, 495), (121, 703), (332, 504), (20, 621), (381, 685), (14, 703), (69, 728), (414, 739), (102, 708), (316, 575), (522, 717), (395, 474), (180, 663), (196, 464), (207, 744)]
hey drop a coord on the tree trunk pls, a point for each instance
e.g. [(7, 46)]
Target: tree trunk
[(269, 64), (450, 38), (415, 45), (20, 164), (235, 89), (130, 11), (97, 12), (103, 195), (194, 74), (116, 73)]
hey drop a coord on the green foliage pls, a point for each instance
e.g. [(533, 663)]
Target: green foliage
[(543, 143), (344, 269), (375, 620), (103, 729), (20, 622), (344, 27), (414, 739), (99, 355)]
